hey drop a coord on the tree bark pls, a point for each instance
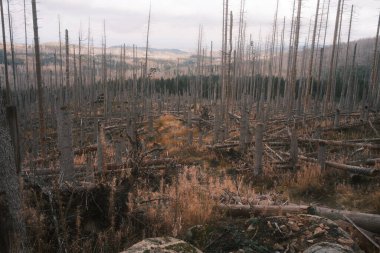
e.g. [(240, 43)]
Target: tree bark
[(65, 144), (40, 92), (13, 233), (370, 222)]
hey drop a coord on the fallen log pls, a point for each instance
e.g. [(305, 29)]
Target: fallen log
[(154, 164), (223, 146), (370, 161), (350, 168), (370, 222), (354, 169), (363, 232), (340, 143)]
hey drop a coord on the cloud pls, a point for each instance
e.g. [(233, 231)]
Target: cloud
[(175, 22)]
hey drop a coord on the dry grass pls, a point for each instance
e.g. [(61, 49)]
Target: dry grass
[(189, 201), (80, 159), (172, 134), (308, 177), (350, 198)]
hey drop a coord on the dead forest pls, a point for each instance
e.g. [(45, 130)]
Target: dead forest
[(102, 147)]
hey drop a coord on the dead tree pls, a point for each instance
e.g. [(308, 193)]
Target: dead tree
[(259, 149), (100, 145), (375, 63), (293, 76), (310, 77), (10, 27), (12, 233), (65, 144), (40, 92), (244, 127), (67, 66), (26, 47), (8, 89), (345, 77), (293, 147), (329, 99)]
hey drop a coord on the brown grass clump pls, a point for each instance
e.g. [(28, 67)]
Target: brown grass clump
[(308, 181), (80, 159), (357, 199), (188, 201), (172, 134)]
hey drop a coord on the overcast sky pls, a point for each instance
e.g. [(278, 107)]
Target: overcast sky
[(174, 23)]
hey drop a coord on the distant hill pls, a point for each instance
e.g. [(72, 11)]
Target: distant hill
[(153, 53), (157, 56), (161, 50)]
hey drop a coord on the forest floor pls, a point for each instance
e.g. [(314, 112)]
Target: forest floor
[(187, 178)]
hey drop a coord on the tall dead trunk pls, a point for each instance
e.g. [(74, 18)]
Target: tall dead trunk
[(351, 83), (293, 147), (259, 149), (12, 231), (345, 76), (10, 27), (310, 71), (293, 77), (26, 47), (281, 59), (67, 88), (8, 89), (290, 54), (374, 72), (40, 91), (66, 160), (329, 99)]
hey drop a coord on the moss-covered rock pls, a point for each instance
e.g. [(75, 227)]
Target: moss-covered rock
[(162, 245)]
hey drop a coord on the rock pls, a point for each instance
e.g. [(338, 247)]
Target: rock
[(265, 202), (318, 232), (277, 246), (326, 247), (251, 228), (308, 234), (345, 241), (193, 232), (293, 226), (162, 245)]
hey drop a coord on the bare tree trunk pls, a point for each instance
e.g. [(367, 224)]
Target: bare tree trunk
[(26, 48), (343, 96), (67, 87), (329, 99), (39, 81), (374, 72), (290, 53), (65, 144), (351, 83), (100, 142), (259, 149), (10, 27), (293, 77), (244, 127), (293, 147), (279, 76), (147, 45), (8, 89), (13, 233), (309, 87)]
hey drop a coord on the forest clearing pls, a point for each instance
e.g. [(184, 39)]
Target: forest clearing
[(258, 146)]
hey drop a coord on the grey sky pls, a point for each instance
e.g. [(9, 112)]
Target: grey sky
[(175, 22)]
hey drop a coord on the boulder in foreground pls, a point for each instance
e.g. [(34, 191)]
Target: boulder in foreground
[(162, 245)]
